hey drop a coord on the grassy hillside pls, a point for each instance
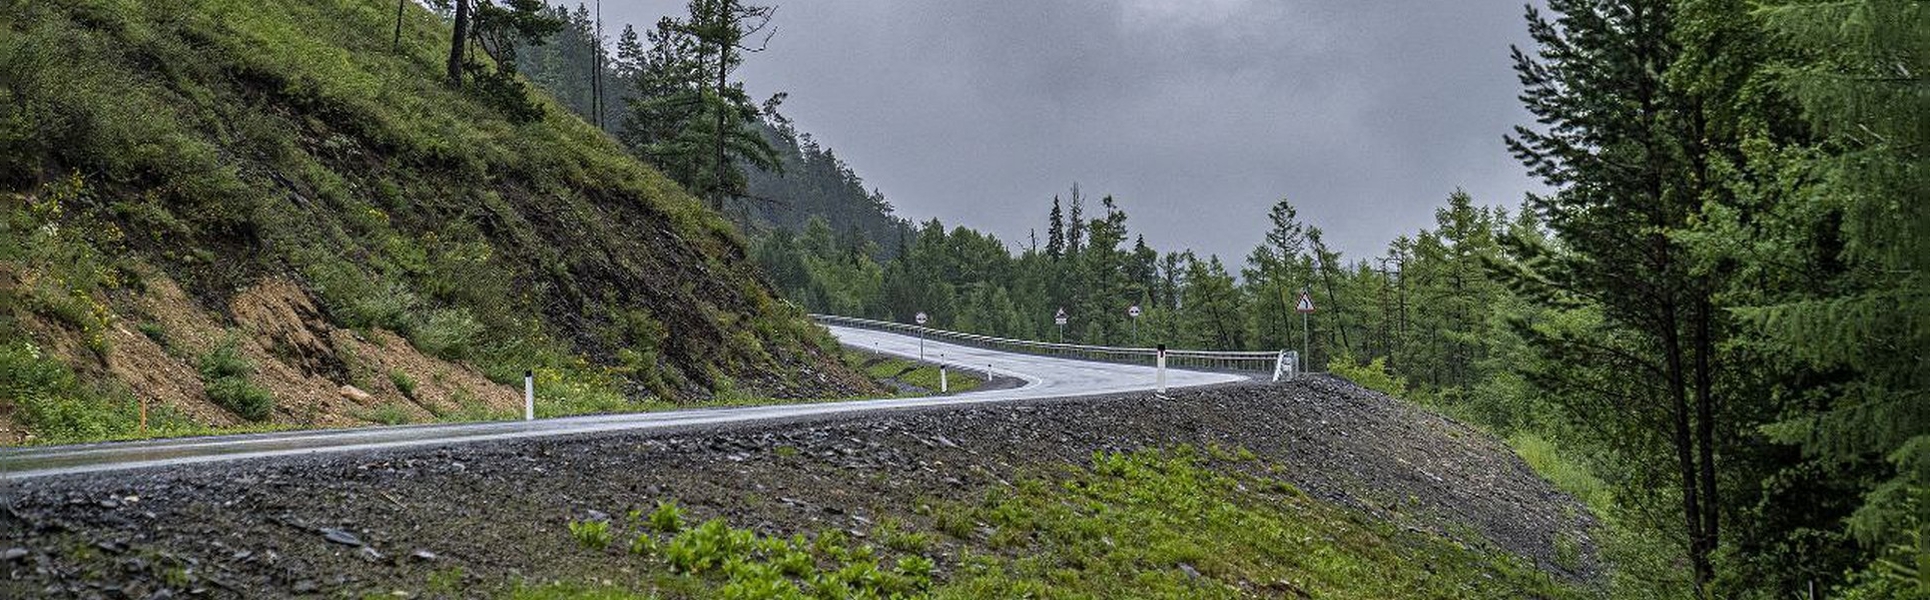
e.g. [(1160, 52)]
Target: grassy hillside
[(232, 209)]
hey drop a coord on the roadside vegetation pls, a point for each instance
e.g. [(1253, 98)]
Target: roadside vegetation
[(911, 377), (1178, 523)]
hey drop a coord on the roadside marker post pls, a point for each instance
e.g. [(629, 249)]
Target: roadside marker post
[(1159, 381), (1304, 307), (529, 395), (944, 385)]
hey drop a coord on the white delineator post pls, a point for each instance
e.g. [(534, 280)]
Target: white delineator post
[(529, 395), (944, 385), (1159, 381)]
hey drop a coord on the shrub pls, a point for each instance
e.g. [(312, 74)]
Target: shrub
[(225, 373), (1373, 375), (403, 383), (243, 398), (448, 333), (668, 518)]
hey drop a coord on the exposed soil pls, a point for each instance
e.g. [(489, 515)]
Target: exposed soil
[(497, 511), (160, 332)]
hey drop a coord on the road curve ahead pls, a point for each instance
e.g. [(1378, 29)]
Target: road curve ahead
[(1044, 377)]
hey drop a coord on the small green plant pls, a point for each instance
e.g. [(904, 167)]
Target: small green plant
[(668, 518), (154, 331), (389, 413), (643, 545), (895, 536), (594, 535), (955, 523), (224, 371), (403, 382)]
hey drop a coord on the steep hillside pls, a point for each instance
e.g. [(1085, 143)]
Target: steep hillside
[(233, 209)]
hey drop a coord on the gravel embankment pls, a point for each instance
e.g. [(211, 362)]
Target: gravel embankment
[(487, 514)]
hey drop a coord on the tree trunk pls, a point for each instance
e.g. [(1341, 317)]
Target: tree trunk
[(717, 172), (1706, 418), (458, 42), (396, 46)]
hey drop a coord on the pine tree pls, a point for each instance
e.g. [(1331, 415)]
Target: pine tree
[(1621, 147), (1864, 304), (1055, 232)]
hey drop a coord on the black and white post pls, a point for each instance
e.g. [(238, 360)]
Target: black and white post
[(529, 395), (1159, 361), (921, 318)]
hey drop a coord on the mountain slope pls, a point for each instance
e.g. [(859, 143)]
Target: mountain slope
[(228, 147)]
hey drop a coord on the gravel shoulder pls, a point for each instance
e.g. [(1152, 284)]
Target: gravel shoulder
[(483, 516)]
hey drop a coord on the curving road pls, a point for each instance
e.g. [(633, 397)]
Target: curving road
[(1044, 377)]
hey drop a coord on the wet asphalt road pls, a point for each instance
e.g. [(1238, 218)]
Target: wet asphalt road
[(1044, 377)]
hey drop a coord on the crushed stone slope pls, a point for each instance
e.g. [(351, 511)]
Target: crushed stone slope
[(498, 511)]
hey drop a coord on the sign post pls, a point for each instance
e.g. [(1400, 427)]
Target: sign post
[(1304, 307), (921, 319), (1133, 312), (1061, 319)]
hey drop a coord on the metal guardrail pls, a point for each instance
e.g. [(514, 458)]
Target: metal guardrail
[(1281, 363)]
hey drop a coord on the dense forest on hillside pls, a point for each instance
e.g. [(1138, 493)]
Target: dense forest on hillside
[(1720, 313)]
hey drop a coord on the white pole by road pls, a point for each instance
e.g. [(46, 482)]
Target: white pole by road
[(944, 385), (1159, 381), (529, 395)]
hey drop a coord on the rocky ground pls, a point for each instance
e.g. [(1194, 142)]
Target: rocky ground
[(483, 516)]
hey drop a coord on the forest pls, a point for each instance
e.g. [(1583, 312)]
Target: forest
[(1720, 313)]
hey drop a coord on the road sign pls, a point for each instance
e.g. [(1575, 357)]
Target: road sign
[(1305, 305), (1133, 312), (1060, 318), (921, 318)]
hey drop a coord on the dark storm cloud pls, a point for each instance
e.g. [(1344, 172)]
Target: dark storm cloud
[(1197, 115)]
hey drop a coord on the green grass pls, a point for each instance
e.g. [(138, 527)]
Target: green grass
[(1149, 524), (403, 382), (911, 372)]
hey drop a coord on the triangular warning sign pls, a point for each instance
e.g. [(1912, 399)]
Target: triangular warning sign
[(1305, 305)]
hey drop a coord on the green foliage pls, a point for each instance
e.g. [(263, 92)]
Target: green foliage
[(225, 373), (50, 402), (403, 382), (1373, 375), (388, 413), (593, 535), (725, 562), (667, 518)]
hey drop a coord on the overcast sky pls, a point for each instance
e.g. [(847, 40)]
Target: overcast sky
[(1196, 115)]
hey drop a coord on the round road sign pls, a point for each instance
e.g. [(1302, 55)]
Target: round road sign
[(921, 318), (1133, 312)]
